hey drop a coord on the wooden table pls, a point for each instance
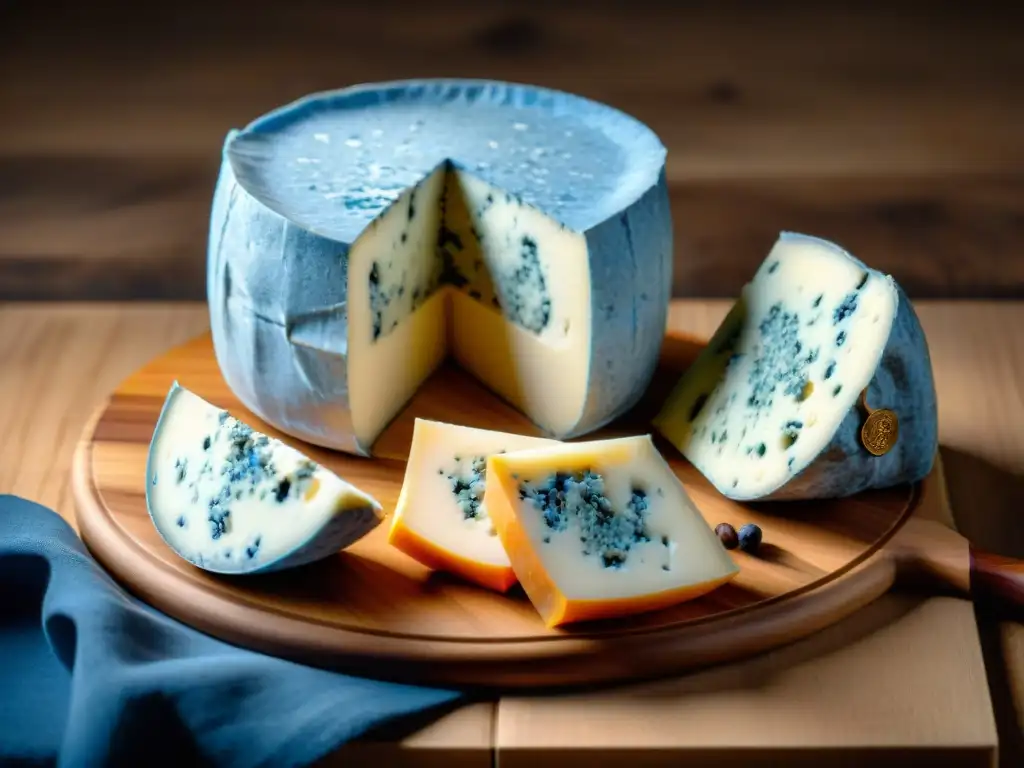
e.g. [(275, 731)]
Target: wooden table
[(907, 678)]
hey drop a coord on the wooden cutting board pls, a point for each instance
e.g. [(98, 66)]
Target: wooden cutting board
[(373, 610)]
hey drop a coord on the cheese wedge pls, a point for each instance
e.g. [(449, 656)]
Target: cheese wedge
[(231, 500), (776, 406), (441, 519), (601, 529)]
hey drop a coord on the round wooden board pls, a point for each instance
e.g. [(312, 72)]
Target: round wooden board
[(374, 611)]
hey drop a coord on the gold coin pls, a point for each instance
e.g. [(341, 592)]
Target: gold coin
[(880, 431)]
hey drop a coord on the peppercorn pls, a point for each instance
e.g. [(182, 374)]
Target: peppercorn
[(750, 538), (727, 535)]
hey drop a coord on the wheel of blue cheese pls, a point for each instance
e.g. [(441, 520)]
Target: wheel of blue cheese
[(818, 383), (359, 237)]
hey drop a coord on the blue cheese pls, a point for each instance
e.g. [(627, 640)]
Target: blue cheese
[(772, 408), (359, 237), (601, 529), (232, 500), (440, 518)]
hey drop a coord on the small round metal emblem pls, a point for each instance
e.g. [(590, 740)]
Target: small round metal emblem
[(880, 431)]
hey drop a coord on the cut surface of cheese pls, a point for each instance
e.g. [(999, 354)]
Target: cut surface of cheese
[(772, 408), (441, 519), (232, 500), (601, 529), (360, 236)]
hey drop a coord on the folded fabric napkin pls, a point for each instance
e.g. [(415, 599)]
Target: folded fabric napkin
[(91, 676)]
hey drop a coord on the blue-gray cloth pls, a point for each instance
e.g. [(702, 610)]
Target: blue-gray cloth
[(90, 676)]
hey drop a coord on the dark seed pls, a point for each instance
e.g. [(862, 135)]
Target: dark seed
[(727, 535), (750, 538)]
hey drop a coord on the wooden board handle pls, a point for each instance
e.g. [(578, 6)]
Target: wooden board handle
[(997, 582)]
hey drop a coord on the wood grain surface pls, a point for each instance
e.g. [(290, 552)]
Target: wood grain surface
[(375, 610), (892, 128), (997, 579), (902, 679)]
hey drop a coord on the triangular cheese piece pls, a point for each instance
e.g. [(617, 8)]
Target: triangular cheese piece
[(232, 500), (601, 529)]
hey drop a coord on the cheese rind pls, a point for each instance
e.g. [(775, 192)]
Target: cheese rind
[(771, 408), (602, 529), (512, 227), (441, 519), (232, 500)]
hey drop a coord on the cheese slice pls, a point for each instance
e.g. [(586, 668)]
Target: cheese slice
[(601, 529), (232, 500), (772, 407), (441, 519), (359, 237)]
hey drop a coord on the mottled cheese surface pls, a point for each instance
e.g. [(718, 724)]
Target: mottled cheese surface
[(602, 529), (232, 500), (441, 519), (773, 407), (360, 148)]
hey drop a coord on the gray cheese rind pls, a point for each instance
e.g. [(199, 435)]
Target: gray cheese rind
[(631, 271), (277, 274), (339, 533), (277, 297), (903, 382)]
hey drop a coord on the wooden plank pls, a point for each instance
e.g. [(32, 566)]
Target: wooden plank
[(949, 237), (85, 227), (980, 352), (863, 691), (461, 738), (59, 362)]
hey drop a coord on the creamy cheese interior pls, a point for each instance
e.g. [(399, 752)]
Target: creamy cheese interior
[(783, 370), (442, 494), (648, 537), (457, 267), (230, 499), (397, 314)]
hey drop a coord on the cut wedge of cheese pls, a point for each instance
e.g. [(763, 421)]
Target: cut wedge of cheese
[(360, 236), (232, 500), (441, 519), (601, 529), (777, 405)]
